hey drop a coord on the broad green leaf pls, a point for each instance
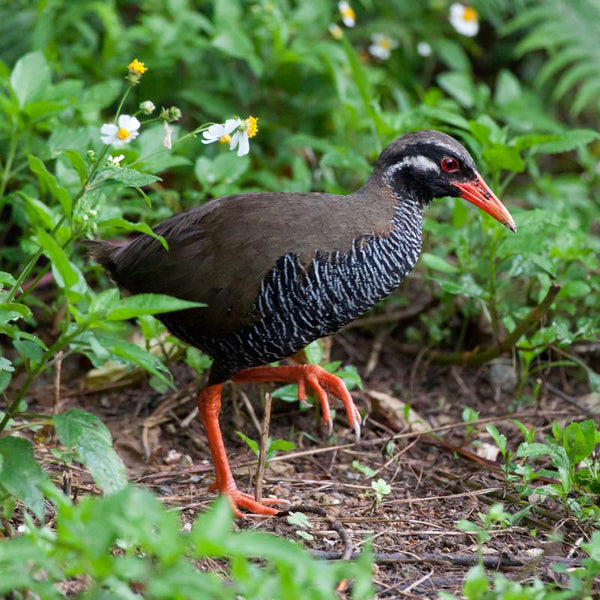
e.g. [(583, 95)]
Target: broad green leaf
[(504, 157), (569, 140), (37, 211), (20, 474), (58, 258), (78, 164), (91, 441), (508, 88), (225, 168), (212, 529), (314, 352), (574, 289), (29, 349), (579, 440), (459, 86), (148, 304), (133, 354), (129, 177), (453, 54), (48, 181), (30, 77), (11, 311), (5, 379)]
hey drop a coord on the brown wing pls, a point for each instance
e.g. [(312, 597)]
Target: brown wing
[(219, 253)]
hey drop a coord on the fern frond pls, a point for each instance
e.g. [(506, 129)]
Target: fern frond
[(569, 31)]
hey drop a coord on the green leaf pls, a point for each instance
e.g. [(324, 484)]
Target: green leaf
[(126, 225), (508, 88), (86, 435), (437, 263), (48, 181), (225, 168), (460, 86), (78, 164), (58, 258), (283, 445), (574, 289), (30, 77), (129, 177), (133, 354), (298, 519), (499, 438), (364, 469), (148, 304), (249, 441), (504, 157), (12, 311), (287, 393), (579, 440), (476, 583), (570, 140), (21, 475), (314, 352), (29, 349), (212, 529)]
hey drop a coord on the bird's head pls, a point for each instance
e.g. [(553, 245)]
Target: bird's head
[(429, 164)]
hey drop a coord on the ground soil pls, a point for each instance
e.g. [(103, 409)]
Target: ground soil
[(435, 480)]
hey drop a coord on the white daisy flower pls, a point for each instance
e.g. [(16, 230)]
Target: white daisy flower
[(122, 133), (115, 161), (464, 19), (382, 46), (220, 132), (348, 14), (235, 132), (424, 49)]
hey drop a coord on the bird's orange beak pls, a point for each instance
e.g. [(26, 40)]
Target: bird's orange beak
[(478, 193)]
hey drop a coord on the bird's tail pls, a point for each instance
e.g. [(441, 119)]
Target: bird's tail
[(102, 252)]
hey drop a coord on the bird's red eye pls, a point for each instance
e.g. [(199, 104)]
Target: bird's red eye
[(449, 164)]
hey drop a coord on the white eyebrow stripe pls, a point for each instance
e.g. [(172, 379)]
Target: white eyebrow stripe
[(421, 162)]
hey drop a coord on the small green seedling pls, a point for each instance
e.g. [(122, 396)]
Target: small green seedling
[(381, 489)]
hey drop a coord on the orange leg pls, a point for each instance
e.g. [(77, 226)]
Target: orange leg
[(209, 406), (313, 376)]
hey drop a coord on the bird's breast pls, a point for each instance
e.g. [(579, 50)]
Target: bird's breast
[(311, 299)]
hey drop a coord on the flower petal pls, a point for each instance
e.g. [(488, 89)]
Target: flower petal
[(109, 129), (244, 146)]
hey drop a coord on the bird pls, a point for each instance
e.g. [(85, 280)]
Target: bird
[(277, 271)]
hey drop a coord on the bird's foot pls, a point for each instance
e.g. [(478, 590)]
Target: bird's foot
[(240, 500), (320, 381)]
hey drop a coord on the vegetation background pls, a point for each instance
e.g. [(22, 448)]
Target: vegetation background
[(522, 92)]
